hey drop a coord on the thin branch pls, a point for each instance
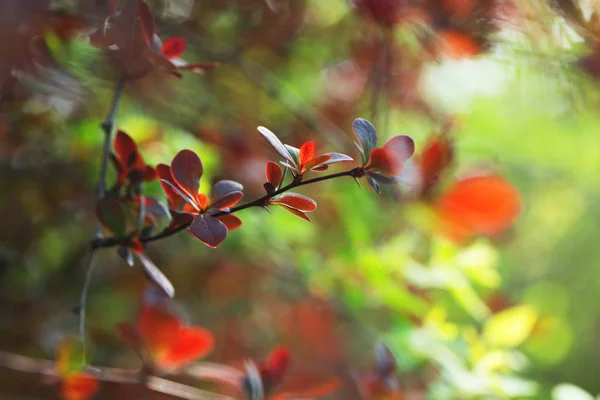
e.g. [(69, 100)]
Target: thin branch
[(117, 375), (107, 128), (260, 202)]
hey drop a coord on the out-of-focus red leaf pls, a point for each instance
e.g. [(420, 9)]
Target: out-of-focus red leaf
[(484, 205), (385, 162), (190, 344), (187, 170), (437, 155), (208, 230), (231, 221), (276, 365), (79, 387), (274, 174), (296, 201), (146, 20), (458, 45), (307, 153), (173, 47)]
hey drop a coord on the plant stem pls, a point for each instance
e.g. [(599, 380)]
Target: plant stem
[(260, 202), (107, 128)]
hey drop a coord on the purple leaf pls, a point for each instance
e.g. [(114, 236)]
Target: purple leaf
[(184, 196), (156, 276), (187, 169), (336, 158), (208, 230), (223, 188), (402, 145), (275, 143), (367, 135)]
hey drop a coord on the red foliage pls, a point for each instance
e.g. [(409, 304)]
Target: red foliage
[(163, 341), (129, 162), (80, 386)]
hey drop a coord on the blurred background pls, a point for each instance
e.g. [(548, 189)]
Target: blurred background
[(508, 317)]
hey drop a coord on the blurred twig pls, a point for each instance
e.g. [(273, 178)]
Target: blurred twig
[(107, 128), (118, 375)]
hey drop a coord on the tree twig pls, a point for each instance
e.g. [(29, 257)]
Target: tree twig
[(118, 375), (107, 128), (260, 202)]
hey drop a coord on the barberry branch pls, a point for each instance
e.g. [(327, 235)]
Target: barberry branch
[(118, 375), (107, 128), (260, 202)]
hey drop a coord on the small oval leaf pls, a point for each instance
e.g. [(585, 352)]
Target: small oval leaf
[(187, 169), (111, 214), (367, 135), (297, 201), (208, 230), (274, 141), (223, 188)]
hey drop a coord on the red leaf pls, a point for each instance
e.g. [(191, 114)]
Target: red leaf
[(227, 201), (458, 45), (164, 173), (296, 201), (384, 161), (79, 387), (297, 213), (485, 205), (307, 153), (274, 174), (231, 221), (189, 345), (187, 169), (146, 21), (437, 155), (157, 327), (317, 162), (276, 365), (208, 230), (173, 47)]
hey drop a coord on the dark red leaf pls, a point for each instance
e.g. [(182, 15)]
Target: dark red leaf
[(227, 201), (146, 21), (208, 230), (297, 213), (231, 221), (173, 47), (436, 156), (164, 174), (126, 149), (187, 169), (274, 174), (385, 162), (299, 202)]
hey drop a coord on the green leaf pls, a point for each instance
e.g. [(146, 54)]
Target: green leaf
[(511, 327)]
